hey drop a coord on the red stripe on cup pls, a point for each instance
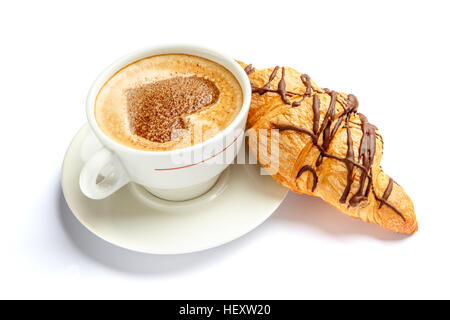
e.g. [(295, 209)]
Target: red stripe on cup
[(193, 164)]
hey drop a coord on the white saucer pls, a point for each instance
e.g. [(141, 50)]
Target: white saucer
[(134, 219)]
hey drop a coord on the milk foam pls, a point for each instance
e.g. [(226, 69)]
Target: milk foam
[(111, 102)]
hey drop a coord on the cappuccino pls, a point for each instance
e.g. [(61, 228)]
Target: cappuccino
[(168, 102)]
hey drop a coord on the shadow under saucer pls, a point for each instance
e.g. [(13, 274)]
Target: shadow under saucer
[(129, 261), (315, 213)]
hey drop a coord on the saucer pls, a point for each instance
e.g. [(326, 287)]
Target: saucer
[(134, 219)]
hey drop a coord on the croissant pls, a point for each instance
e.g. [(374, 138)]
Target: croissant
[(326, 148)]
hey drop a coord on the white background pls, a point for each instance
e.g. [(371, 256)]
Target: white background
[(393, 55)]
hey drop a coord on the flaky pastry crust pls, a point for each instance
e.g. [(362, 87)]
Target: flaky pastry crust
[(326, 148)]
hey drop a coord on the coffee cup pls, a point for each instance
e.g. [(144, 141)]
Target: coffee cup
[(178, 174)]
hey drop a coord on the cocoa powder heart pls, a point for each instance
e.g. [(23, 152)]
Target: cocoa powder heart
[(156, 109)]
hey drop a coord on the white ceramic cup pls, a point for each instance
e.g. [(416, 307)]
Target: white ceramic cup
[(176, 175)]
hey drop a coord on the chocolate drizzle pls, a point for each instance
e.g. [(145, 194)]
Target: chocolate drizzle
[(367, 146), (249, 69), (266, 87), (326, 125), (308, 89), (307, 83), (282, 88), (310, 169), (349, 163), (316, 111), (387, 192)]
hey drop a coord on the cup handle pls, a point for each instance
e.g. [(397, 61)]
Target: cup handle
[(102, 175)]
